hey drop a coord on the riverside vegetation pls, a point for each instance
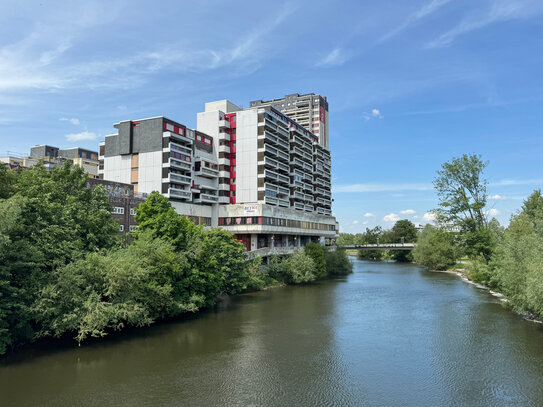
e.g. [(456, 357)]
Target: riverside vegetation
[(508, 260), (64, 270)]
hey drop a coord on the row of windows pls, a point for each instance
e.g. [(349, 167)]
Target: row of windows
[(269, 221), (119, 210), (180, 156), (131, 228)]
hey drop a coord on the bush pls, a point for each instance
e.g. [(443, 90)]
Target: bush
[(435, 249), (337, 262), (316, 252), (299, 268)]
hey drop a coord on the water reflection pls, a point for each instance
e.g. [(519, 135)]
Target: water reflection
[(389, 334)]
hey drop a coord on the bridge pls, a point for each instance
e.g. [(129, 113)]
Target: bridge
[(380, 246)]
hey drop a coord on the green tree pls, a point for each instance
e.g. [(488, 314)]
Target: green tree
[(337, 262), (461, 189), (316, 252), (403, 229), (50, 220), (299, 268), (6, 182), (435, 249), (157, 214), (228, 256)]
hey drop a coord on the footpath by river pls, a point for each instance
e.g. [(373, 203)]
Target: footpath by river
[(387, 335)]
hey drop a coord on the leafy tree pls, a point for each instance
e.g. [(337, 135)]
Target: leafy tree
[(157, 214), (533, 209), (50, 220), (435, 249), (337, 262), (316, 252), (228, 256), (299, 268), (403, 229), (461, 189), (6, 182)]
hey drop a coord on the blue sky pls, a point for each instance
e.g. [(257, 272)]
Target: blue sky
[(410, 84)]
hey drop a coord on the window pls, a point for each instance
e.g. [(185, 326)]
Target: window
[(118, 210), (133, 228), (121, 228), (132, 211)]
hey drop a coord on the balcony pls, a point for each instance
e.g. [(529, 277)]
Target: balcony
[(224, 124), (283, 179), (282, 202), (283, 156), (224, 199), (177, 138), (207, 172), (296, 162), (299, 205), (283, 167), (224, 135), (321, 192), (296, 151), (179, 193), (224, 149), (183, 165), (268, 136), (298, 195), (309, 208), (180, 179), (206, 198)]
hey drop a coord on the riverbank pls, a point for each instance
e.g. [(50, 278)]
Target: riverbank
[(462, 273)]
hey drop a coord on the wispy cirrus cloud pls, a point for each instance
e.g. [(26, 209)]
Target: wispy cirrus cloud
[(337, 56), (73, 121), (383, 187), (426, 10), (84, 135), (39, 60), (498, 11)]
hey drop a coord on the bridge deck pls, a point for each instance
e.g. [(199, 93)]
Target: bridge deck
[(382, 246)]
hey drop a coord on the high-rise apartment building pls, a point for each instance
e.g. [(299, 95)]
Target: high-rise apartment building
[(266, 157), (309, 110), (255, 172)]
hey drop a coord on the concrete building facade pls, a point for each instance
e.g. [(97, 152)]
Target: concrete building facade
[(309, 110), (255, 172)]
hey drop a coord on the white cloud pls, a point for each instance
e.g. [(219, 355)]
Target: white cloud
[(335, 57), (492, 212), (499, 11), (355, 222), (41, 60), (497, 197), (408, 212), (369, 215), (375, 113), (391, 217), (74, 121), (429, 217), (84, 135), (509, 182), (424, 11), (383, 187)]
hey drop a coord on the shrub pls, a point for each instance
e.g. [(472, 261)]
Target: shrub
[(299, 268), (337, 262), (435, 249), (316, 252)]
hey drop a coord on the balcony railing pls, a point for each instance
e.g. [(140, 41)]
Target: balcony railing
[(183, 179), (179, 193)]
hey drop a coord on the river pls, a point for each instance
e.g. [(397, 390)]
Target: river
[(387, 335)]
